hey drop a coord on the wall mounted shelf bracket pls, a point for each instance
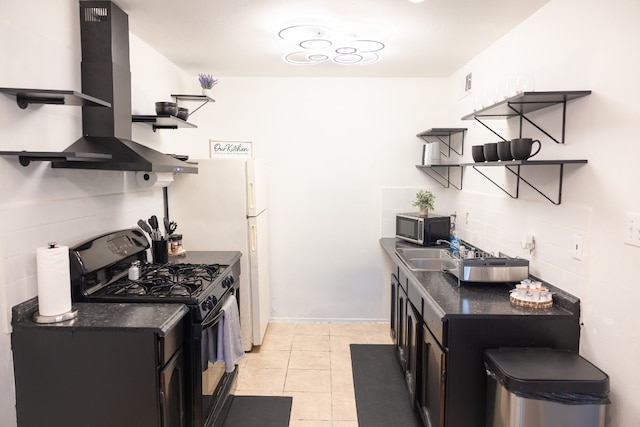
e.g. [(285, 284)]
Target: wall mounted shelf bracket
[(24, 97), (444, 179), (444, 135), (524, 103), (200, 98), (514, 168)]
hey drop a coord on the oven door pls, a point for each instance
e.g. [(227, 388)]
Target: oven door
[(216, 384)]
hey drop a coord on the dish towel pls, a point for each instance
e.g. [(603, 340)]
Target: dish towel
[(229, 340), (209, 347)]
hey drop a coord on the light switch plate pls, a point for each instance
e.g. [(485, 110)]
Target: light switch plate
[(632, 229), (577, 250)]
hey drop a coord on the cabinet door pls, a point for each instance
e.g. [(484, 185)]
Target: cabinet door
[(393, 321), (172, 392), (401, 326), (433, 380), (412, 352)]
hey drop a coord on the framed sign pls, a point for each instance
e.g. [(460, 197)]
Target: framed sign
[(230, 149)]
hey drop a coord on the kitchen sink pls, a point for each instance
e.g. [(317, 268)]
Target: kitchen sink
[(421, 259)]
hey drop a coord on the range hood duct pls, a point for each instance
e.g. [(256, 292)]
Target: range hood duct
[(106, 75)]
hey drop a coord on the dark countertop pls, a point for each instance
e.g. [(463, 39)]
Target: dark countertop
[(441, 290), (207, 257), (158, 318)]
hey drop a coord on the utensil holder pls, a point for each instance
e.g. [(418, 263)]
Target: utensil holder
[(160, 251)]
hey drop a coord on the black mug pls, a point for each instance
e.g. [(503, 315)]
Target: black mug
[(477, 152), (160, 251), (521, 148), (504, 151), (491, 151)]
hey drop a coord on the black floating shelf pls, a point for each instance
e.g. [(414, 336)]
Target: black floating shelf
[(198, 98), (162, 122), (441, 132), (444, 136), (26, 157), (524, 163), (24, 97), (526, 102), (192, 98)]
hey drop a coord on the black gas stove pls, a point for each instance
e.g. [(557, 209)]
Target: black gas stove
[(114, 268), (164, 281)]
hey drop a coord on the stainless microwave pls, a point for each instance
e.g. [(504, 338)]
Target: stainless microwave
[(423, 231)]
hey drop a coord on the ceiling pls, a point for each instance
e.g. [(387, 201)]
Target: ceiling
[(239, 38)]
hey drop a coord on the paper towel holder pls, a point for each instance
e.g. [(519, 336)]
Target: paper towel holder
[(71, 314), (39, 318)]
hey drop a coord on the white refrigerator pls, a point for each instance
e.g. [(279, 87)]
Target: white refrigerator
[(224, 208)]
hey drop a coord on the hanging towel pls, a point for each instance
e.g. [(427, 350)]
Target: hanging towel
[(229, 340), (209, 347)]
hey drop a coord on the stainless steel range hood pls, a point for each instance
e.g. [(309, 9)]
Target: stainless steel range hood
[(106, 75)]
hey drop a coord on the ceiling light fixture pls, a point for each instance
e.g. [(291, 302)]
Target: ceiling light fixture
[(314, 44)]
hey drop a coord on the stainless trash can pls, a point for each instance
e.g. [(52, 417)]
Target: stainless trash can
[(542, 387)]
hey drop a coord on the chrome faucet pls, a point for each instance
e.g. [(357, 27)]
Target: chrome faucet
[(445, 241)]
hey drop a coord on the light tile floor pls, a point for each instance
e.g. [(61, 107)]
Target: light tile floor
[(310, 362)]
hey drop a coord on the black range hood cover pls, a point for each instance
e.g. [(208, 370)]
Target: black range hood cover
[(126, 155)]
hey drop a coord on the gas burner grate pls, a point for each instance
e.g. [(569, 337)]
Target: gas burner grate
[(167, 280)]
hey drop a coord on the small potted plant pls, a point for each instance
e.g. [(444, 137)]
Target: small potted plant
[(425, 201), (206, 83)]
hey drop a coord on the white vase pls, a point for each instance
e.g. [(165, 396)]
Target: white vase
[(206, 92), (424, 212)]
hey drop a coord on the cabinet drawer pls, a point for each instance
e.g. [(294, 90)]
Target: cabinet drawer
[(433, 320), (170, 343)]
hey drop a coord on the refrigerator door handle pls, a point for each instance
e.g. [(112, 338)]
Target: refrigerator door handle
[(252, 196), (254, 238)]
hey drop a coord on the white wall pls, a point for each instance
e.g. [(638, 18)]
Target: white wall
[(573, 45), (39, 204), (331, 144)]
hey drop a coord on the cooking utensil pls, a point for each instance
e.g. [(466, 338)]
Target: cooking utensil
[(145, 227), (169, 226), (153, 222)]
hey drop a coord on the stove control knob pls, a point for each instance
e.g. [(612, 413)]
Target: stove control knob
[(206, 305), (227, 281), (213, 301)]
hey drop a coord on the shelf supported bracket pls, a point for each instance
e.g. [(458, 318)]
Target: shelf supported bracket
[(442, 179), (492, 131), (516, 172), (522, 116), (24, 101), (445, 138)]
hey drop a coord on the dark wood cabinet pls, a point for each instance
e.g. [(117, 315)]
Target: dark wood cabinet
[(442, 331), (114, 365)]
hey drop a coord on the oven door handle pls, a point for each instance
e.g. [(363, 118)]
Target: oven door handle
[(206, 322)]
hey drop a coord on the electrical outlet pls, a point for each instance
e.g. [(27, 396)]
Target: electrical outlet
[(577, 250), (466, 218), (632, 229)]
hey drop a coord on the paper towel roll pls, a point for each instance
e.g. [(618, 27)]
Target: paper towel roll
[(54, 280), (154, 179)]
